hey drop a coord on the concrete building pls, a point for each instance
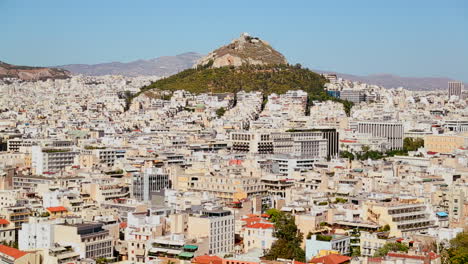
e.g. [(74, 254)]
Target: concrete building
[(390, 130), (307, 141), (217, 226), (146, 184), (251, 142), (45, 160), (37, 233), (445, 143), (90, 240), (455, 89), (258, 235), (404, 217), (324, 242), (355, 96)]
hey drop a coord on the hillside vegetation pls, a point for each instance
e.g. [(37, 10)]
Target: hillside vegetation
[(267, 79)]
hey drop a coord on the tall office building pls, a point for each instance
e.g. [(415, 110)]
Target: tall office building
[(455, 88), (151, 181), (392, 131)]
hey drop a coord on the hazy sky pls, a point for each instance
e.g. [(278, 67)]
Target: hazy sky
[(407, 37)]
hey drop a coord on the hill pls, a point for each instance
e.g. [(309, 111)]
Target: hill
[(265, 78), (161, 66), (243, 50), (27, 73)]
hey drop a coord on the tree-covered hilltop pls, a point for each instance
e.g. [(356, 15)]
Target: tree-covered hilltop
[(267, 79)]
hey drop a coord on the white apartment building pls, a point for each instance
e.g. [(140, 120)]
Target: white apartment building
[(307, 144), (251, 142), (392, 131), (52, 159), (37, 233)]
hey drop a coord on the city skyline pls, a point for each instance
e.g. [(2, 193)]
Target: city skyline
[(360, 38)]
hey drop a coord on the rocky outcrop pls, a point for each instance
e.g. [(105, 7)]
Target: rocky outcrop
[(27, 73), (243, 50)]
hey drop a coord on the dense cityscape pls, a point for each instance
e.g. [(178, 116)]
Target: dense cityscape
[(237, 156)]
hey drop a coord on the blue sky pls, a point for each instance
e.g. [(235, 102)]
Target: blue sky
[(408, 38)]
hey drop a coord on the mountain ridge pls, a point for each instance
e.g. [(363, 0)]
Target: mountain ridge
[(389, 80), (30, 73), (160, 66)]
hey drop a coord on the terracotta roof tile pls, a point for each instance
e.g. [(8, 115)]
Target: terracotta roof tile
[(331, 259), (57, 209), (12, 252), (260, 226)]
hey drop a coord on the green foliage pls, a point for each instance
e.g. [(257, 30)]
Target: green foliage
[(323, 203), (45, 214), (320, 237), (220, 112), (398, 247), (289, 238), (268, 79), (120, 171), (457, 253), (274, 214), (93, 147), (412, 144), (355, 251), (346, 155), (265, 78), (341, 200), (102, 260), (384, 228)]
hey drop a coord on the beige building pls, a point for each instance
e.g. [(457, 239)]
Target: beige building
[(217, 226), (228, 185), (90, 240), (404, 217), (445, 143), (371, 242)]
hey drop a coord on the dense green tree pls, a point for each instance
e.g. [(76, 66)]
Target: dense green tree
[(412, 144), (220, 112), (391, 247), (289, 238), (457, 252)]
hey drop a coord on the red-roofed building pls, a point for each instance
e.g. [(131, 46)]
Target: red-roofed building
[(331, 259), (57, 211), (207, 260), (258, 235), (426, 258), (7, 231), (12, 256)]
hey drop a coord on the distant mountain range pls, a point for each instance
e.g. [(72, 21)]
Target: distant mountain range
[(394, 81), (27, 73), (169, 65), (161, 66)]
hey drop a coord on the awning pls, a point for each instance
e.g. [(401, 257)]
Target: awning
[(442, 214), (174, 252), (156, 250), (186, 255), (191, 247)]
